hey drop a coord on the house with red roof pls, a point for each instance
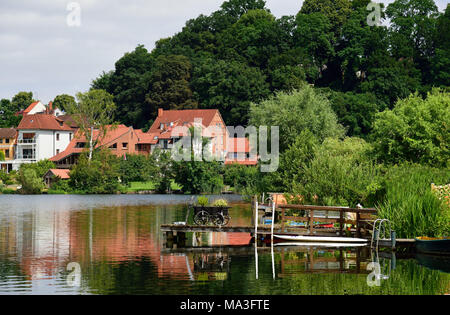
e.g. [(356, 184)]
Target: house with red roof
[(39, 137), (121, 140), (171, 125), (39, 108)]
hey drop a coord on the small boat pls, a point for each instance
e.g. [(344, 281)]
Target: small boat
[(433, 245), (321, 244), (320, 239)]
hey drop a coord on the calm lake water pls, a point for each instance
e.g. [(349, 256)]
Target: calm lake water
[(113, 245)]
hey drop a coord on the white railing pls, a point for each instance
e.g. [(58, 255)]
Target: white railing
[(26, 141)]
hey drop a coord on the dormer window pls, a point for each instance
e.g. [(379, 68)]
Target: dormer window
[(161, 126)]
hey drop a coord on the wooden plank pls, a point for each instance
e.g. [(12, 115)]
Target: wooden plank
[(324, 208)]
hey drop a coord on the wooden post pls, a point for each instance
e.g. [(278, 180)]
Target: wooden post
[(341, 223), (311, 222), (256, 220), (273, 221), (282, 220), (358, 226)]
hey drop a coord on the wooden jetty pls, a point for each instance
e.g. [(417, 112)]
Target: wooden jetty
[(311, 218)]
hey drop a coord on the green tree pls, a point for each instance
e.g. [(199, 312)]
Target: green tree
[(341, 173), (415, 130), (94, 110), (293, 112), (229, 86), (31, 183), (21, 101), (97, 176), (130, 84), (138, 168), (169, 85), (7, 115), (441, 59), (64, 101), (337, 11), (355, 111)]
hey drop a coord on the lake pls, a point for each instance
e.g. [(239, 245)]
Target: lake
[(64, 244)]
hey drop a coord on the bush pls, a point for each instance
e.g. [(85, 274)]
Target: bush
[(411, 205), (98, 176), (198, 177), (416, 130), (203, 201), (220, 203), (30, 181), (341, 173), (244, 179)]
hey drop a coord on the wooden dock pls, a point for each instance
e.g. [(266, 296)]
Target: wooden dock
[(313, 221)]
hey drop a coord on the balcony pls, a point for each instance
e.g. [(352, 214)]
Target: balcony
[(26, 141)]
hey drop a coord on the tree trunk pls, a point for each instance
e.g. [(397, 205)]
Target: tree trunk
[(90, 144)]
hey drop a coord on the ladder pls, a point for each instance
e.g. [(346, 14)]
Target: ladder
[(382, 230)]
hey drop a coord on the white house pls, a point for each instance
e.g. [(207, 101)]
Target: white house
[(40, 136)]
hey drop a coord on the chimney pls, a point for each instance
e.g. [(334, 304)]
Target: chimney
[(160, 112)]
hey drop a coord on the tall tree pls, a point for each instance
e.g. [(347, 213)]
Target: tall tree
[(337, 11), (229, 86), (170, 85), (63, 101), (94, 110), (21, 101)]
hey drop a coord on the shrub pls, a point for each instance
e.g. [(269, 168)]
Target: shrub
[(30, 181), (220, 203), (203, 201)]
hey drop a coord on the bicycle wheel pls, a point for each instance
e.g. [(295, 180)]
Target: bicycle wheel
[(218, 219), (201, 218)]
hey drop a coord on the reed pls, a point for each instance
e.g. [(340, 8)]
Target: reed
[(411, 205)]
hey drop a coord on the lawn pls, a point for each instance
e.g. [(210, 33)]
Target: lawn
[(141, 186)]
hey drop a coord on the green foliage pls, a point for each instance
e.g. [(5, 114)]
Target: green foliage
[(229, 86), (165, 175), (138, 168), (7, 114), (30, 181), (2, 156), (293, 112), (355, 111), (64, 101), (244, 179), (21, 101), (169, 87), (337, 11), (198, 177), (203, 201), (410, 204), (220, 203), (415, 130), (98, 176), (340, 173)]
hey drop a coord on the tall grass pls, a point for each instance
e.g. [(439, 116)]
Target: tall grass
[(410, 204)]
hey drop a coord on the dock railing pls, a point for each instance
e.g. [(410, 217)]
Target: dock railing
[(360, 217)]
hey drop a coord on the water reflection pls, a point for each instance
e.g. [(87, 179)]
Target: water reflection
[(120, 250)]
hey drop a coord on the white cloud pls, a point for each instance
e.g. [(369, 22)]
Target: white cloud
[(40, 53)]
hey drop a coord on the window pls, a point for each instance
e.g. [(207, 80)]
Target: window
[(6, 140), (114, 146), (70, 137), (57, 137), (57, 151), (161, 126), (125, 145), (7, 154), (1, 140), (80, 145)]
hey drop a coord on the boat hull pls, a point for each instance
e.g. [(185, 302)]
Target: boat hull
[(320, 239), (437, 246), (321, 244)]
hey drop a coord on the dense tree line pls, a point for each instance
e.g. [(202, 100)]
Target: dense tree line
[(241, 53)]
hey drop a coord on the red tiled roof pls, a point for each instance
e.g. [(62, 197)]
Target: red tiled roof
[(113, 133), (179, 118), (42, 122), (145, 137), (62, 173), (30, 108), (7, 133)]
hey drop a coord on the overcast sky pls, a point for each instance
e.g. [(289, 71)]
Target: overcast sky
[(39, 52)]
